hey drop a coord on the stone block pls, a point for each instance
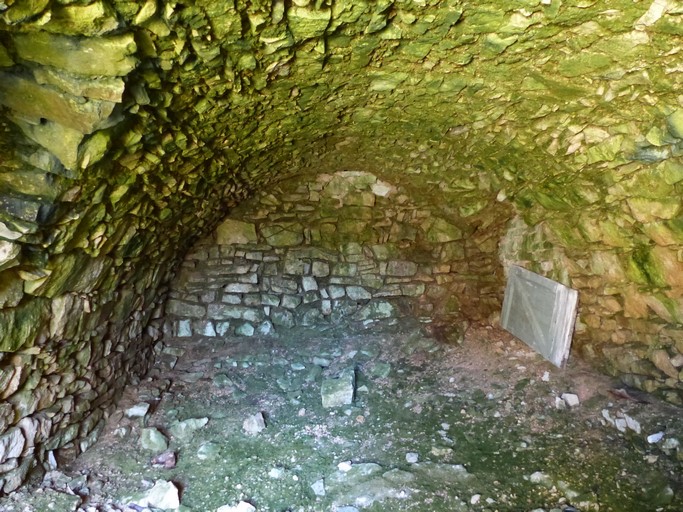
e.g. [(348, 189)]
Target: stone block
[(310, 297), (311, 317), (205, 328), (208, 297), (153, 440), (282, 317), (412, 289), (401, 268), (342, 309), (33, 101), (646, 210), (241, 288), (60, 141), (335, 292), (103, 56), (675, 123), (265, 328), (389, 290), (245, 329), (9, 254), (252, 299), (308, 22), (11, 444), (250, 278), (183, 329), (270, 299), (291, 301), (660, 358), (345, 269), (95, 19), (309, 283), (294, 266), (339, 391), (377, 309), (232, 231), (222, 328), (358, 293), (320, 269), (185, 309), (230, 298), (230, 312), (279, 284)]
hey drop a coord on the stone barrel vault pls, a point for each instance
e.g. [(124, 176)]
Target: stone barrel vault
[(206, 165)]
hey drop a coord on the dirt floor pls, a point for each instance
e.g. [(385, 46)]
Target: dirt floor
[(238, 424)]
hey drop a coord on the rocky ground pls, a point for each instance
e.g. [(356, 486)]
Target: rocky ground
[(386, 418)]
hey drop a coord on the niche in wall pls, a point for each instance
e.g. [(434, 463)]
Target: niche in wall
[(343, 247)]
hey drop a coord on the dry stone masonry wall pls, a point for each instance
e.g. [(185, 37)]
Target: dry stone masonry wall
[(128, 130), (344, 247)]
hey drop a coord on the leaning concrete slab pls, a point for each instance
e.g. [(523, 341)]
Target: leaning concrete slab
[(540, 312)]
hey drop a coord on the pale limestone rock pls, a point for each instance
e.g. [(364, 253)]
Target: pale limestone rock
[(254, 424), (339, 391), (153, 440), (163, 495), (235, 232), (9, 252)]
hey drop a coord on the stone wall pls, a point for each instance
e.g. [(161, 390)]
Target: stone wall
[(343, 247)]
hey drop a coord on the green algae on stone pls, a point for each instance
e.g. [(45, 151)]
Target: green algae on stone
[(110, 56), (37, 102)]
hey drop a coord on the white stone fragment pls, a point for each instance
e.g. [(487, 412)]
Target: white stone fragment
[(476, 498), (570, 399), (655, 438), (382, 189), (657, 9), (11, 444), (8, 252), (6, 232), (183, 329), (254, 424), (318, 487), (344, 467), (163, 495), (632, 423), (539, 477), (309, 284), (545, 377), (412, 457), (139, 410), (276, 473)]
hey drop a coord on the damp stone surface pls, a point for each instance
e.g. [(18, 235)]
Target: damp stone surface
[(447, 139)]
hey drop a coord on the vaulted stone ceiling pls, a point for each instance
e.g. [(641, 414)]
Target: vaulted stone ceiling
[(130, 128)]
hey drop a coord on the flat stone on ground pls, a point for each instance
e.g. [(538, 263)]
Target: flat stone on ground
[(339, 391)]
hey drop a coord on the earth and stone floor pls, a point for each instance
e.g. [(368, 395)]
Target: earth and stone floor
[(238, 424)]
